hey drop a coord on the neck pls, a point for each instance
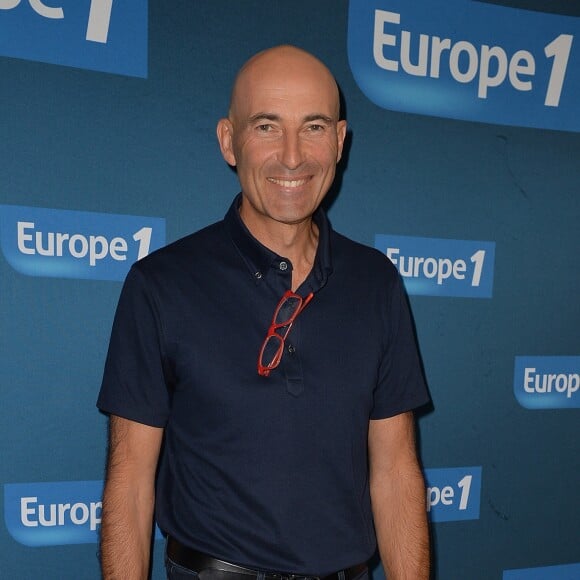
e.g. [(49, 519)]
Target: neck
[(297, 242)]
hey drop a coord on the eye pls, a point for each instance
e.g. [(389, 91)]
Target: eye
[(264, 128), (315, 128)]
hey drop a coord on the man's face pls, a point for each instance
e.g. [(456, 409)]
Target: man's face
[(284, 137)]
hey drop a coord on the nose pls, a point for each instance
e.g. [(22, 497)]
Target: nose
[(291, 154)]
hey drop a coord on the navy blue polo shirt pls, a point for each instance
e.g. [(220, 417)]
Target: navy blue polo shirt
[(266, 472)]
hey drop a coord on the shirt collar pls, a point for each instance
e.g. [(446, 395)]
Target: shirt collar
[(259, 259)]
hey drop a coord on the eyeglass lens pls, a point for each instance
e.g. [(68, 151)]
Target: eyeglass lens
[(271, 349), (287, 309)]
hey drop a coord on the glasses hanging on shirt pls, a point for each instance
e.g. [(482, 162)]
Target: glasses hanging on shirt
[(288, 309)]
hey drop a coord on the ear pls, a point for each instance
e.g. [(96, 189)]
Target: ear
[(341, 135), (225, 135)]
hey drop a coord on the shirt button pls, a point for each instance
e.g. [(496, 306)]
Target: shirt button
[(257, 275), (283, 266), (291, 349)]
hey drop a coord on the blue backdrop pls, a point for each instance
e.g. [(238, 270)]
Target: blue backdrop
[(108, 150)]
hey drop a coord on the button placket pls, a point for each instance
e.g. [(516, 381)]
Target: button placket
[(292, 364)]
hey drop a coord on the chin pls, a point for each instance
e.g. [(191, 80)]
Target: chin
[(291, 215)]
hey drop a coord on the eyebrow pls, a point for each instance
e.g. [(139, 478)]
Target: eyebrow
[(318, 117), (273, 117)]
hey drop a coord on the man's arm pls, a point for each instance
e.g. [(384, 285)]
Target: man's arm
[(398, 498), (127, 516)]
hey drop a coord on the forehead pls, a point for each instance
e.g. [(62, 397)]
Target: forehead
[(295, 87)]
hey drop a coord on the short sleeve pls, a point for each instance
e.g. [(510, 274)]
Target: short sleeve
[(134, 383), (401, 385)]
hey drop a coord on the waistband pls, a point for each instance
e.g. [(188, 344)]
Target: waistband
[(200, 562)]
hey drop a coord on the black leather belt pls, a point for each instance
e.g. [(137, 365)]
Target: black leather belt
[(200, 562)]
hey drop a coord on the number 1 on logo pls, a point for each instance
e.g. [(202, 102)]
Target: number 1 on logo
[(99, 20), (143, 236), (465, 486)]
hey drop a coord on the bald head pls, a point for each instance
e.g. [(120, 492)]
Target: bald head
[(275, 69)]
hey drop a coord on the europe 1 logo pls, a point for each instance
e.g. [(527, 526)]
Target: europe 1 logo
[(58, 513), (99, 15), (453, 493), (441, 267), (104, 35), (73, 244), (468, 60)]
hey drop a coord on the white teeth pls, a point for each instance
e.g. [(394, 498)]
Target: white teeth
[(287, 183)]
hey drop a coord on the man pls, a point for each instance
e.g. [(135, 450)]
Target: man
[(275, 360)]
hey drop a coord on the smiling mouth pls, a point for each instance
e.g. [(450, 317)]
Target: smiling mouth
[(288, 183)]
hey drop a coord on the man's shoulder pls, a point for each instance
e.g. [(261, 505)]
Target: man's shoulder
[(191, 250), (359, 255)]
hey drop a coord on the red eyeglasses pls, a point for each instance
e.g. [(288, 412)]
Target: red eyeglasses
[(289, 307)]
